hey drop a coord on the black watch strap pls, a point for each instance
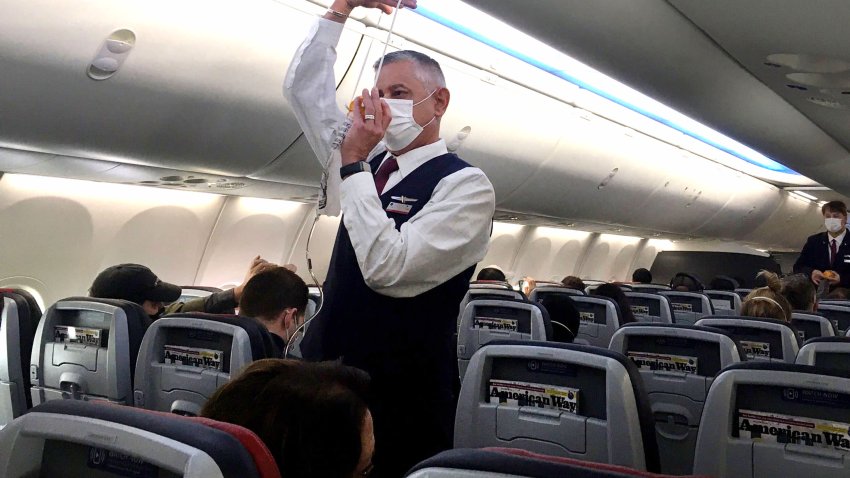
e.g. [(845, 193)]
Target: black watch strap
[(358, 167)]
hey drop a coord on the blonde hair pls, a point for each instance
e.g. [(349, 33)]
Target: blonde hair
[(767, 302)]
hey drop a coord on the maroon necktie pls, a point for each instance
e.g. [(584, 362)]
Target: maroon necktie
[(832, 252), (389, 166)]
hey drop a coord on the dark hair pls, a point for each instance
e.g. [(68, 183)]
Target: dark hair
[(834, 206), (613, 291), (799, 291), (573, 282), (562, 310), (268, 293), (309, 415), (491, 273), (642, 276), (685, 282), (723, 283)]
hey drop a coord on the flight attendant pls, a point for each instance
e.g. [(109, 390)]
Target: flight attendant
[(826, 255), (416, 220)]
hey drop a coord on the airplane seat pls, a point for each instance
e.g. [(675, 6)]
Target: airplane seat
[(185, 357), (724, 301), (677, 364), (775, 419), (495, 293), (762, 339), (743, 292), (651, 307), (494, 462), (77, 438), (812, 324), (839, 315), (542, 291), (567, 400), (688, 307), (86, 349), (33, 308), (486, 319), (600, 318), (490, 284), (649, 288), (18, 323), (826, 352)]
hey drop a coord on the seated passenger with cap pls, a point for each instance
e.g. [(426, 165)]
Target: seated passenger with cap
[(642, 276), (767, 302), (137, 283), (276, 297), (491, 273), (312, 416)]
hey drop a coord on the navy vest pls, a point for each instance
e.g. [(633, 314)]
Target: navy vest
[(404, 343)]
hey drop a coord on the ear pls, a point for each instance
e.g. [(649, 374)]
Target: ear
[(442, 97), (289, 316)]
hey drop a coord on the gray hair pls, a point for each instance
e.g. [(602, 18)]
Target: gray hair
[(427, 69)]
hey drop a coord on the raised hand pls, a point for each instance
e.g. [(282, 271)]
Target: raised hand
[(367, 128)]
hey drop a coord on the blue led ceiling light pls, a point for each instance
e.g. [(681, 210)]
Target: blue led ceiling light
[(760, 161)]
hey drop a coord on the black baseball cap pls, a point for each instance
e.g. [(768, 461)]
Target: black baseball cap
[(133, 282)]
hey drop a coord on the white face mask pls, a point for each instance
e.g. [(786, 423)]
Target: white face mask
[(403, 129), (833, 224)]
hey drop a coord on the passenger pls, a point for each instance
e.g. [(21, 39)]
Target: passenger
[(840, 293), (767, 302), (723, 283), (800, 292), (277, 297), (491, 273), (684, 282), (404, 255), (829, 250), (312, 416), (613, 291), (642, 276), (526, 285), (573, 282), (562, 310), (137, 283)]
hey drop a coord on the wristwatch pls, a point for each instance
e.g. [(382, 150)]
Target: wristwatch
[(358, 167)]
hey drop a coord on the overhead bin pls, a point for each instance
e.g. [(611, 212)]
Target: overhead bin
[(200, 89)]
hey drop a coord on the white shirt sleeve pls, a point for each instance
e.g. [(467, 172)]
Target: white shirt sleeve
[(310, 88), (449, 234)]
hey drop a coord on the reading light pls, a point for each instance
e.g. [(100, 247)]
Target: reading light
[(535, 53)]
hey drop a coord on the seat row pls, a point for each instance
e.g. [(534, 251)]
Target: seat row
[(670, 398), (677, 362), (103, 349)]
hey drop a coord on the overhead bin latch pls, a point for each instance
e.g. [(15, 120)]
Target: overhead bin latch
[(112, 54)]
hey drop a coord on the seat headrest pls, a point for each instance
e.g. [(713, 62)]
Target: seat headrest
[(262, 344), (786, 367), (138, 321), (226, 450)]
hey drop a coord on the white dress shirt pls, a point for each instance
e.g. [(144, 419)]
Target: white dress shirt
[(448, 235), (838, 240)]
